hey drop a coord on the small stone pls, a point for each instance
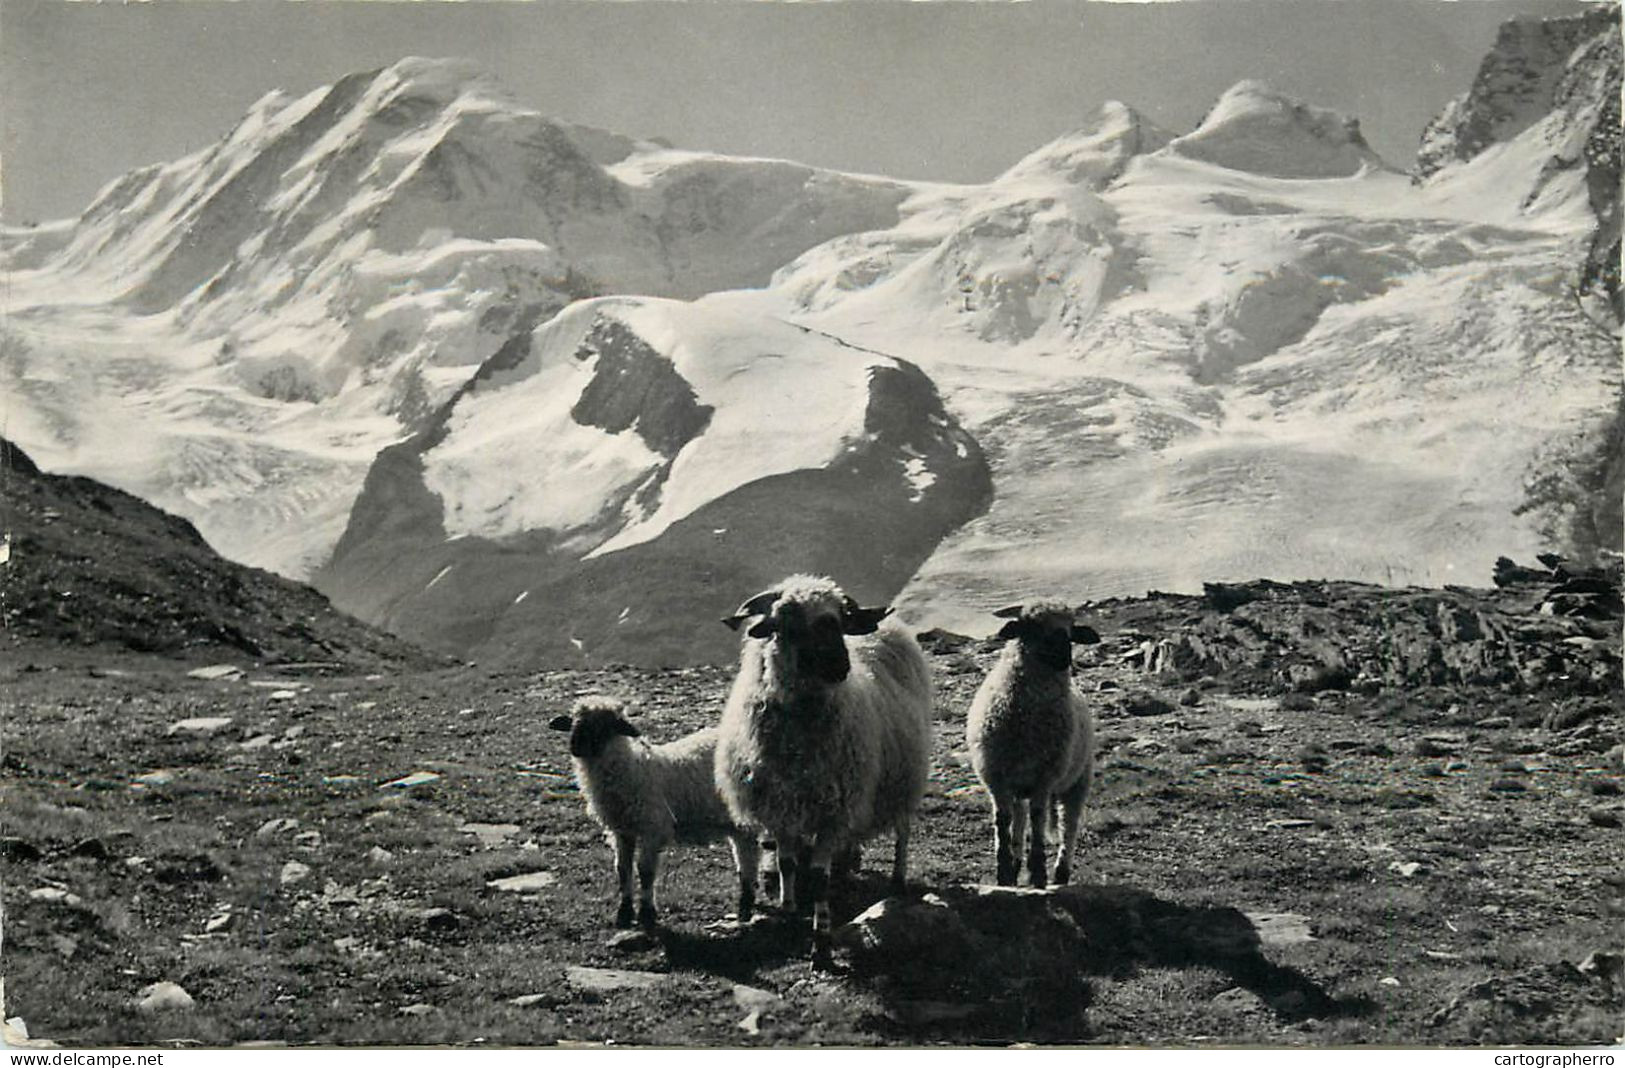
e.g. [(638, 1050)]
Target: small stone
[(17, 1027), (294, 872), (751, 1024), (602, 980), (755, 999), (1238, 1000), (1388, 980), (155, 778), (340, 782), (55, 895), (201, 725), (282, 695), (1456, 765), (521, 884), (434, 918), (1280, 928), (220, 921), (273, 827), (525, 1001), (163, 997), (379, 855), (1603, 817), (416, 778), (420, 1009), (1606, 966), (94, 848), (216, 671), (19, 849), (309, 840), (259, 741), (1288, 824), (1494, 722), (490, 835), (1605, 788), (633, 941), (1405, 869), (1508, 786)]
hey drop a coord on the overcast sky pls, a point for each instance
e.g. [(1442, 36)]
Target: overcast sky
[(953, 91)]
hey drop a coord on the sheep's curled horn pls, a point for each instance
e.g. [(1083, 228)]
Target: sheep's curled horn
[(855, 619), (756, 606), (1081, 634)]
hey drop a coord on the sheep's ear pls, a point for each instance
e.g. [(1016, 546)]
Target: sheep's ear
[(623, 727), (1083, 634), (1011, 629), (858, 620), (764, 628), (1009, 611), (560, 723)]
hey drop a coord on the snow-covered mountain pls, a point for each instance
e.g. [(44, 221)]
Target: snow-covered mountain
[(1253, 348), (236, 334), (612, 484)]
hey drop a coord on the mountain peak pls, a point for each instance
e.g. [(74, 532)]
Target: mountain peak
[(438, 78), (1095, 154), (1255, 128), (1515, 86)]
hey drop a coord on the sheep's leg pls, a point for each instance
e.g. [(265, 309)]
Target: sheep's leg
[(847, 862), (1003, 850), (1018, 836), (624, 846), (747, 859), (1071, 818), (648, 868), (788, 852), (899, 857), (1039, 807), (823, 959)]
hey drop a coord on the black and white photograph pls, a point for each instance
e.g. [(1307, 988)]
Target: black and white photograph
[(831, 524)]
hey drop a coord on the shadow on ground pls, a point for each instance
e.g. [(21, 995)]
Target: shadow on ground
[(983, 963)]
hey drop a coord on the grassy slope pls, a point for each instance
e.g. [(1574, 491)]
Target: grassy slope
[(1509, 883)]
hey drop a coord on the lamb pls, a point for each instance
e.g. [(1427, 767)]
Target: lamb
[(1031, 740), (825, 741), (647, 797)]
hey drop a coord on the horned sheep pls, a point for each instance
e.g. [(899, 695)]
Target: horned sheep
[(648, 797), (826, 734), (1031, 739)]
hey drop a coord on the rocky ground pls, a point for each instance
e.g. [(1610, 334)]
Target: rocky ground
[(1327, 814)]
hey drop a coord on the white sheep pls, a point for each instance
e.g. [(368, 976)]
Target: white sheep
[(648, 797), (1031, 739), (825, 740)]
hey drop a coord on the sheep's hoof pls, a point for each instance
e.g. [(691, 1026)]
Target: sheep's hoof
[(647, 917), (623, 916), (1038, 880), (1006, 876), (1063, 875)]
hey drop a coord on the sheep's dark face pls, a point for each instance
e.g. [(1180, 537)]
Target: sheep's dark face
[(806, 620), (593, 727), (811, 641), (1046, 631)]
